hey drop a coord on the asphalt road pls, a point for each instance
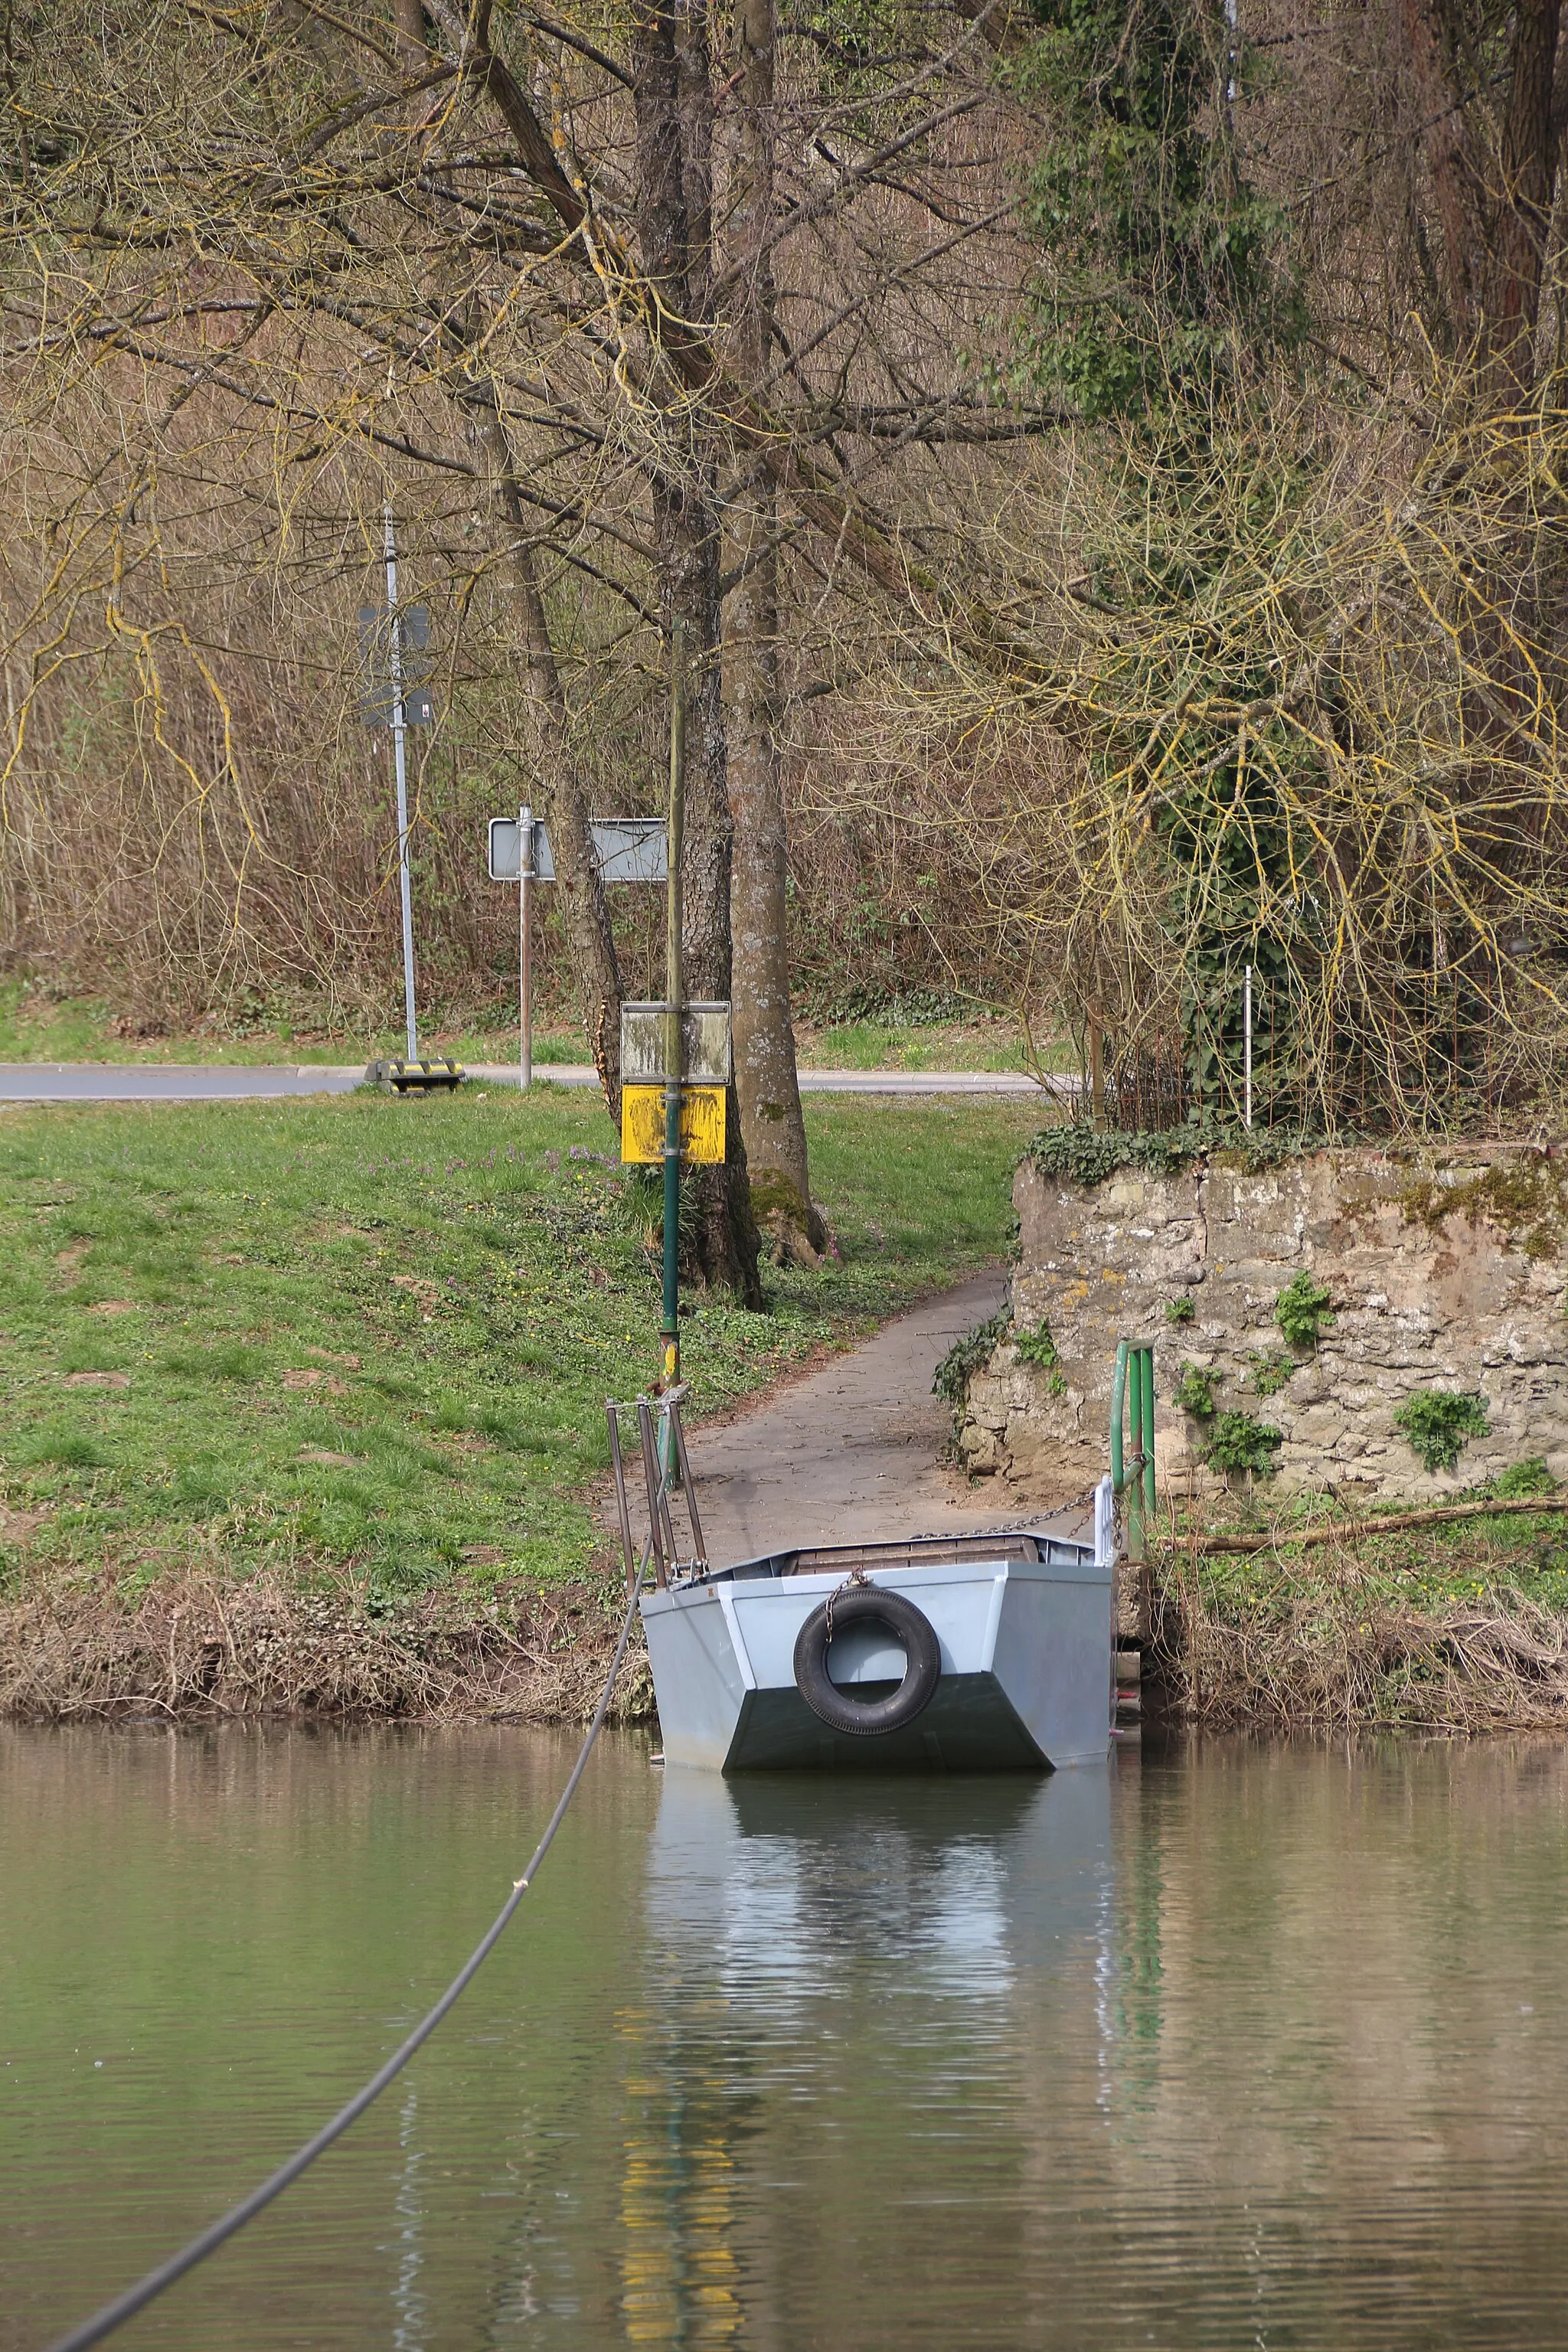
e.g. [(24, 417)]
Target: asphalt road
[(34, 1082)]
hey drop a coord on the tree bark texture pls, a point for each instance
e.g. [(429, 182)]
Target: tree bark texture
[(1493, 152), (673, 106), (579, 890), (765, 1077)]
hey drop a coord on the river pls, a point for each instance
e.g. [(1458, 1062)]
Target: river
[(1228, 2045)]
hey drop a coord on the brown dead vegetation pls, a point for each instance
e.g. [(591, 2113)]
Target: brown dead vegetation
[(195, 1646), (1338, 1655)]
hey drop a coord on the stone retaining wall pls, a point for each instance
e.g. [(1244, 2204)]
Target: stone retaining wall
[(1447, 1270)]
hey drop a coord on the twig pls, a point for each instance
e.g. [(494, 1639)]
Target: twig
[(1356, 1531)]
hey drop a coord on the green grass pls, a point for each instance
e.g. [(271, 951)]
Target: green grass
[(994, 1044), (37, 1027), (200, 1302), (1427, 1569)]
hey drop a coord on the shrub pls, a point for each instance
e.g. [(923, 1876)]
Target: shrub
[(1271, 1370), (1194, 1393), (1239, 1441), (1439, 1421), (1301, 1311), (1532, 1477), (1180, 1310)]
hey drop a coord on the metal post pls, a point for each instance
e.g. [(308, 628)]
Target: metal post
[(700, 1555), (1246, 1042), (1118, 1406), (1232, 28), (669, 1328), (524, 943), (1135, 1430), (656, 1501), (1146, 1383), (629, 1550), (399, 755)]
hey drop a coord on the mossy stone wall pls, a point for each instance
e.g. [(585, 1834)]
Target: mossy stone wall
[(1447, 1269)]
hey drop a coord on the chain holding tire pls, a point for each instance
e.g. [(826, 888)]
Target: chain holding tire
[(855, 1578)]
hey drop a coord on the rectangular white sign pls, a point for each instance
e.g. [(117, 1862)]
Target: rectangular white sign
[(626, 850)]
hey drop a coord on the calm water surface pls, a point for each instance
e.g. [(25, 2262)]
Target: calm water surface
[(1234, 2047)]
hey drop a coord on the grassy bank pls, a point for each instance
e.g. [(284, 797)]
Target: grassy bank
[(335, 1365), (1458, 1626), (38, 1027)]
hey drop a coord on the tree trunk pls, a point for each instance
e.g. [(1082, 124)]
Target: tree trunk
[(413, 40), (1494, 172), (674, 116), (580, 892), (1516, 261), (1494, 152), (765, 1077)]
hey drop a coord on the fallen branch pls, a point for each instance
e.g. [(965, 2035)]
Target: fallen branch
[(1357, 1530)]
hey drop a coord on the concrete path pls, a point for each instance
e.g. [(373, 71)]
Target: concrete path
[(853, 1451), (235, 1082)]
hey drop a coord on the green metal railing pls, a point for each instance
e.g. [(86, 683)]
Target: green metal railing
[(1132, 1453)]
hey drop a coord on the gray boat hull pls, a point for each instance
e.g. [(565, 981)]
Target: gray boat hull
[(1025, 1632)]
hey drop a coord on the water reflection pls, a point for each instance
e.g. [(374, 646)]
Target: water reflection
[(1236, 2047), (839, 1965), (783, 1889)]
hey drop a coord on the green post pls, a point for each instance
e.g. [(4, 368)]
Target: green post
[(1133, 1518), (1132, 1398), (1118, 1404), (669, 1327)]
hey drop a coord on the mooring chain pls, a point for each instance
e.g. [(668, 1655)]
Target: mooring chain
[(856, 1576)]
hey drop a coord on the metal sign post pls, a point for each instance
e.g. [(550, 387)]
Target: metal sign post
[(669, 1328), (400, 636), (624, 848), (399, 732), (524, 945)]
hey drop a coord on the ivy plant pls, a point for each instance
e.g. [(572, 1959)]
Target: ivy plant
[(1088, 1155), (964, 1358)]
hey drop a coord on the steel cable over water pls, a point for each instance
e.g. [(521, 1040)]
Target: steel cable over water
[(136, 2298)]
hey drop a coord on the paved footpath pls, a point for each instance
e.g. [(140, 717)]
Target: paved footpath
[(236, 1082), (853, 1452)]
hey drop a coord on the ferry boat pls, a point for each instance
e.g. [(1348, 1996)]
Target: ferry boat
[(974, 1653)]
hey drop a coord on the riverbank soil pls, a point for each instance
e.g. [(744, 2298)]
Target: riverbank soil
[(304, 1400)]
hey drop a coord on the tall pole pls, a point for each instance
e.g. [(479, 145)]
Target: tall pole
[(400, 761), (669, 1329), (525, 944), (1247, 1043)]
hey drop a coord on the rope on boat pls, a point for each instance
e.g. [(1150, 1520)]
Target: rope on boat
[(136, 2298)]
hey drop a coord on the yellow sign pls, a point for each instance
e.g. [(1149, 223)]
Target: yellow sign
[(701, 1123)]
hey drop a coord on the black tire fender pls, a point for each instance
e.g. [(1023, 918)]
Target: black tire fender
[(836, 1704)]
